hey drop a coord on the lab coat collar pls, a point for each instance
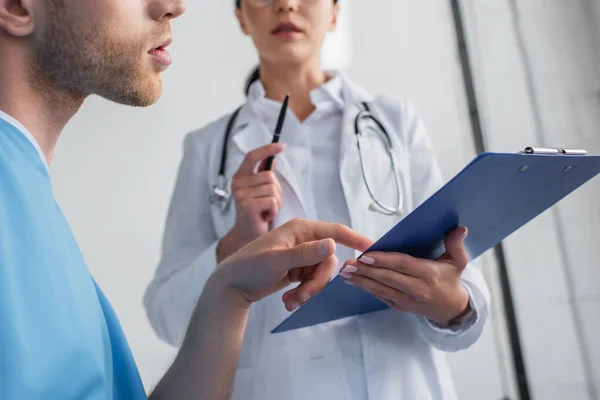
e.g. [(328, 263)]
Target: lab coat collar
[(329, 92), (349, 164), (353, 93), (245, 117)]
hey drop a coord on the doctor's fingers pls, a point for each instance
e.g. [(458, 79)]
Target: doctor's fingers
[(304, 230), (389, 295), (400, 262), (416, 288), (260, 205), (269, 190), (259, 179), (455, 249), (399, 307), (256, 156)]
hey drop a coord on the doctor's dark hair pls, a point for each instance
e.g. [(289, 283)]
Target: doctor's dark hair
[(255, 74)]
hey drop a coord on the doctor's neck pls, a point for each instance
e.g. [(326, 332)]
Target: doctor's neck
[(33, 101), (298, 80)]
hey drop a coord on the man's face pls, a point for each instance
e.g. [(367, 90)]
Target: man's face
[(112, 48)]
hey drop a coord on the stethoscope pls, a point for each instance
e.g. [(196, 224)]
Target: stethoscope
[(222, 195)]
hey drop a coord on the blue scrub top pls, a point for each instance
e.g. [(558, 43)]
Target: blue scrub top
[(59, 336)]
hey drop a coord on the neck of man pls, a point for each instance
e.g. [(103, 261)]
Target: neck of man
[(296, 79), (29, 97)]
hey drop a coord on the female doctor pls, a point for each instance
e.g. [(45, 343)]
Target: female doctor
[(435, 306)]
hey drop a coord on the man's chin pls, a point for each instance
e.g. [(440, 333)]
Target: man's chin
[(136, 94)]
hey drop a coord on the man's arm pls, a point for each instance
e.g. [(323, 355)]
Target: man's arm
[(206, 364), (299, 251)]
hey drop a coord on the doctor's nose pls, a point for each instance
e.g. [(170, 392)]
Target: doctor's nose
[(286, 5)]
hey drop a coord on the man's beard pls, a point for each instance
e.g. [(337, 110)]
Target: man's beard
[(75, 59)]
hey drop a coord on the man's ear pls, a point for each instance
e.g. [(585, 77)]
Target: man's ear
[(16, 17), (240, 17)]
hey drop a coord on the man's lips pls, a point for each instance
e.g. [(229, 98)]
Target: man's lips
[(161, 55)]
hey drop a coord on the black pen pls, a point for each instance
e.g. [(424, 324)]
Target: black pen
[(278, 127)]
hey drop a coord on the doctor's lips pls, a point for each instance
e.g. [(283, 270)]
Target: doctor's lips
[(161, 55), (286, 29)]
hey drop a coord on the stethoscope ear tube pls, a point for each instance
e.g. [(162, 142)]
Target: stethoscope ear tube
[(221, 193), (376, 205)]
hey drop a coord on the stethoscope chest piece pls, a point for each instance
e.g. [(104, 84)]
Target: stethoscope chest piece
[(221, 195)]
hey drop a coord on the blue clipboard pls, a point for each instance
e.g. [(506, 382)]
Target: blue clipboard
[(493, 196)]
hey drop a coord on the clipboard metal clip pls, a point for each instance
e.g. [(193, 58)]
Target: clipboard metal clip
[(551, 151)]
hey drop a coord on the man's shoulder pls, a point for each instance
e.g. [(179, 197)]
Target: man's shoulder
[(22, 171)]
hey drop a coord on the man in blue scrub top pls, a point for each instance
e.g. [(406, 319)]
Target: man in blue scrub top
[(59, 337)]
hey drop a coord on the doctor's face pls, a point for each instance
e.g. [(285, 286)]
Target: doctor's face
[(112, 48), (285, 31)]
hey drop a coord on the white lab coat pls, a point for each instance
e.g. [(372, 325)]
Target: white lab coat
[(403, 354)]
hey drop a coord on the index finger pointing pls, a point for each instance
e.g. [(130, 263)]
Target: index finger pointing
[(314, 230)]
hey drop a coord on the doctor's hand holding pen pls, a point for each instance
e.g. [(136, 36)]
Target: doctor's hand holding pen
[(432, 289), (257, 195)]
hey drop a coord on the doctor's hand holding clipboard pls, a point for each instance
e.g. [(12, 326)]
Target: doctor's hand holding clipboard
[(428, 288), (350, 158)]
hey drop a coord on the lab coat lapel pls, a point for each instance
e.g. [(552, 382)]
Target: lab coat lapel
[(252, 133), (357, 197)]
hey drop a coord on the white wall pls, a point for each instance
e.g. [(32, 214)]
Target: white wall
[(537, 76), (114, 168)]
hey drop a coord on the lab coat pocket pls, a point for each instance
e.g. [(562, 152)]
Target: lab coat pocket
[(317, 368)]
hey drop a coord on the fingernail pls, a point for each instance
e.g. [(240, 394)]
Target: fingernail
[(324, 248), (366, 260), (295, 306), (348, 271), (464, 235), (280, 146), (304, 298), (350, 283)]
